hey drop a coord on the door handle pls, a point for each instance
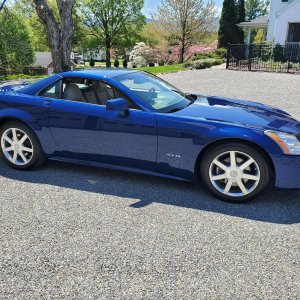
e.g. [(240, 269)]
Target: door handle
[(46, 103)]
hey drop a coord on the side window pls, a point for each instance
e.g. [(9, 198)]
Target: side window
[(52, 91)]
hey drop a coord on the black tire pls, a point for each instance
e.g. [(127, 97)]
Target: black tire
[(37, 157), (260, 163)]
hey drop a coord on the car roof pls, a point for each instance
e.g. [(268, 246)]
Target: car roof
[(100, 74), (103, 72)]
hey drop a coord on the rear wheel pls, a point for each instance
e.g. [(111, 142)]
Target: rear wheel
[(235, 172), (20, 148)]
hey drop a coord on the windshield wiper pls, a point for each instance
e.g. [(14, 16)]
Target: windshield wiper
[(175, 109)]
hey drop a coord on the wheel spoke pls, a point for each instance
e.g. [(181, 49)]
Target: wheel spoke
[(218, 177), (228, 187), (7, 139), (220, 165), (23, 139), (25, 160), (15, 156), (232, 159), (251, 177), (26, 149), (247, 164), (242, 187), (14, 133), (8, 149)]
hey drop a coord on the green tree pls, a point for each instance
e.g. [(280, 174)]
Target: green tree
[(114, 23), (16, 49), (186, 22), (228, 31), (256, 8), (241, 17)]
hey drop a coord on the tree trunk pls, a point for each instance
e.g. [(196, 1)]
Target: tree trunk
[(60, 34), (67, 32), (182, 51), (108, 63)]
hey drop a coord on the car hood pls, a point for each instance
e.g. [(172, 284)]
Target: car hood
[(241, 112)]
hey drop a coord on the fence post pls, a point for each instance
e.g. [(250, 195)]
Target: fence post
[(250, 57), (227, 57)]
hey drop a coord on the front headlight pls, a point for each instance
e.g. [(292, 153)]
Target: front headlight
[(289, 143)]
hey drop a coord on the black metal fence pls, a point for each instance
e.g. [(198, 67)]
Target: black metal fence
[(264, 57)]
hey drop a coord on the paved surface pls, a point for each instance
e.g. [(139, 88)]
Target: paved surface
[(70, 232)]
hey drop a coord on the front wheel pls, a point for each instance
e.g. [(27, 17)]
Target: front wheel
[(20, 148), (235, 172)]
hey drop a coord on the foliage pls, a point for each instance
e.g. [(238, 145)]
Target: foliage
[(153, 35), (278, 53), (256, 8), (259, 36), (219, 53), (16, 49), (125, 63), (228, 31), (138, 56), (185, 22), (241, 17), (113, 23), (203, 63), (193, 50)]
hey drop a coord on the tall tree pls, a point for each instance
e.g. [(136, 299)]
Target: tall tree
[(256, 8), (113, 22), (241, 17), (228, 30), (16, 50), (186, 22), (59, 29)]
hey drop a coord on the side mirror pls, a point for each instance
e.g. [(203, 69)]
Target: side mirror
[(120, 105)]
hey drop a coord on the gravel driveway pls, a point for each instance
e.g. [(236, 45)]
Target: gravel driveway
[(71, 232)]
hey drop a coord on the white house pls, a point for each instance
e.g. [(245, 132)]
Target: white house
[(284, 22), (282, 25)]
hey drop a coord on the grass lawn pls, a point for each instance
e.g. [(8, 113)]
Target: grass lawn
[(163, 69)]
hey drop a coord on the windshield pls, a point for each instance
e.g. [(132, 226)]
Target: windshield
[(160, 95)]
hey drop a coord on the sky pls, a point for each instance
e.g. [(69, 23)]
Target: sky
[(151, 5)]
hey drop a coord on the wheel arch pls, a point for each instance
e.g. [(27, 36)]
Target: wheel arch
[(233, 140)]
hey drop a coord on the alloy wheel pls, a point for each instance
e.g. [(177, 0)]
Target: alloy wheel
[(234, 174), (17, 146)]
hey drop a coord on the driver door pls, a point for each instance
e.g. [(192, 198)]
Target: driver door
[(90, 132)]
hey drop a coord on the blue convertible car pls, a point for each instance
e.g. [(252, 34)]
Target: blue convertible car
[(131, 120)]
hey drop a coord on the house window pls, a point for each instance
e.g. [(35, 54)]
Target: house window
[(294, 33)]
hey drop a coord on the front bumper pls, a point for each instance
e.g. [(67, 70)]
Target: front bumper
[(287, 170)]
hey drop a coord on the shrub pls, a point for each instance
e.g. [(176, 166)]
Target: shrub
[(92, 62), (151, 64), (125, 63), (278, 53), (202, 63), (219, 53), (116, 63)]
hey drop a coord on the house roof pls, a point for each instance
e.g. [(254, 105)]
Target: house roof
[(44, 59), (260, 22)]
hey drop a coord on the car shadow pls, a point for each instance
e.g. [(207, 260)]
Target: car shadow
[(278, 206)]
